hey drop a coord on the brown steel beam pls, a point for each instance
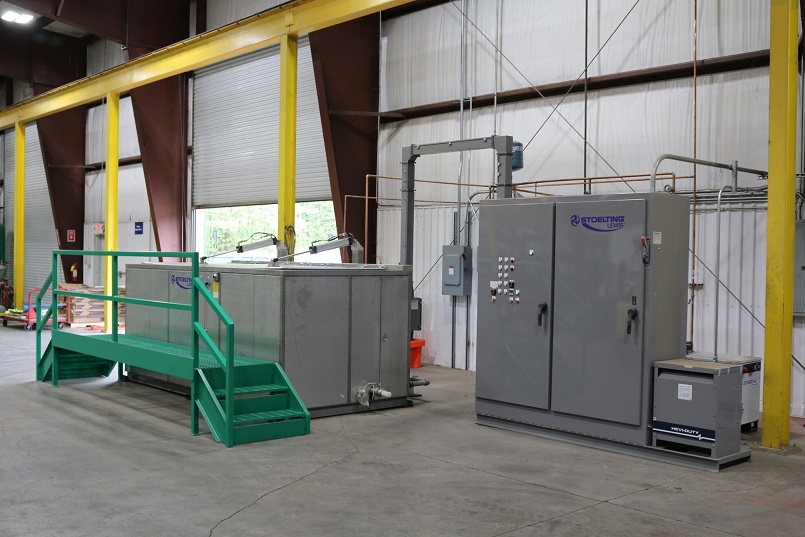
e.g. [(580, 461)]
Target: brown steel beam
[(712, 66), (160, 114), (346, 68), (55, 61)]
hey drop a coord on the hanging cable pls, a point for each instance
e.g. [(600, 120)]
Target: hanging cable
[(533, 87)]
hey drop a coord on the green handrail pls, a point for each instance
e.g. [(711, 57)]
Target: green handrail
[(227, 359), (40, 321)]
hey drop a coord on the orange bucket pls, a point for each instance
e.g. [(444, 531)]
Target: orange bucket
[(416, 352)]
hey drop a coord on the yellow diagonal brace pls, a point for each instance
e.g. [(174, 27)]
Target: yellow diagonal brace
[(780, 234), (19, 215), (110, 232), (250, 34), (287, 136)]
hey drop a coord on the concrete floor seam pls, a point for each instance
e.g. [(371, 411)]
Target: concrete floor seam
[(301, 478), (675, 519)]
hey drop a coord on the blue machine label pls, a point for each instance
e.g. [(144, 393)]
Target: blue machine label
[(138, 228), (695, 433), (601, 224), (183, 282)]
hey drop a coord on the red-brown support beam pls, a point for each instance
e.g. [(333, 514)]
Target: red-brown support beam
[(57, 60), (346, 67), (160, 113)]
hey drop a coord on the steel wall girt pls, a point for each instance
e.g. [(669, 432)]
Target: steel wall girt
[(250, 34), (346, 60)]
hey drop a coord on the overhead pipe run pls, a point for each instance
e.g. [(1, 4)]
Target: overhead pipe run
[(721, 165)]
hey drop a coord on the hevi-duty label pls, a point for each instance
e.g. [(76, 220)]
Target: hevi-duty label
[(601, 224)]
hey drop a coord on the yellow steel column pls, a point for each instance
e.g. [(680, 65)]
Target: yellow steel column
[(780, 235), (19, 215), (112, 138), (287, 143)]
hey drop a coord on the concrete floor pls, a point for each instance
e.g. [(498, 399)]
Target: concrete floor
[(101, 458)]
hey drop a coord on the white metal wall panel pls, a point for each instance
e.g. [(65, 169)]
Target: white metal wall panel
[(104, 54), (132, 207), (236, 132), (40, 231), (542, 41), (128, 144), (630, 127), (222, 12)]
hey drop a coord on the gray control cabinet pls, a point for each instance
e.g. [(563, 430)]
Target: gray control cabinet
[(698, 404), (333, 328), (583, 295), (799, 268)]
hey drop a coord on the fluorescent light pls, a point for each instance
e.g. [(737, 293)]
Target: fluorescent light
[(24, 19), (10, 16)]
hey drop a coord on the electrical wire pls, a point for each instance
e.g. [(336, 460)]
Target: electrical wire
[(533, 87), (290, 239), (744, 306)]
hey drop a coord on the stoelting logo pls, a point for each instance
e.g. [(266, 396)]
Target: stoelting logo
[(183, 282), (601, 224)]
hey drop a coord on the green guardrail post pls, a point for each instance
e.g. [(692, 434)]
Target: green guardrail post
[(230, 384), (53, 275), (194, 386)]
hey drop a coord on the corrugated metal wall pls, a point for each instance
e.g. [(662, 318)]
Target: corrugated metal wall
[(221, 12), (132, 207), (236, 132), (630, 127)]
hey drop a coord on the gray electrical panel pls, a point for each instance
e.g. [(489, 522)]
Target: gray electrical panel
[(583, 295), (799, 269), (698, 404), (333, 328), (456, 270)]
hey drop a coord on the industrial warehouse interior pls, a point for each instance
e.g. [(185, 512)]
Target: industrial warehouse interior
[(402, 267)]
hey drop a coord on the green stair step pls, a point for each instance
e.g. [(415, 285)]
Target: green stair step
[(240, 390), (271, 415)]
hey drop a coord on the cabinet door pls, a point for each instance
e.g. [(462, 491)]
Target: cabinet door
[(515, 268), (597, 365)]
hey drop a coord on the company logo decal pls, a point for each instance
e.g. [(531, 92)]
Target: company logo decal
[(182, 282), (601, 224)]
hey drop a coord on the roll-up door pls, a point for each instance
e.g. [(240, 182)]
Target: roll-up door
[(236, 132), (40, 231)]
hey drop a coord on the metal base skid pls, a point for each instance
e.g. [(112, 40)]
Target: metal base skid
[(680, 458)]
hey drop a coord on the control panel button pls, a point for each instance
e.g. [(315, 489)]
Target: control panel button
[(511, 283), (493, 300), (500, 274), (511, 260), (517, 292), (511, 300), (506, 276), (511, 268), (516, 300), (500, 260), (494, 291)]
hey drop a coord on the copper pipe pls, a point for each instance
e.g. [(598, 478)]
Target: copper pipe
[(438, 202), (428, 181), (591, 178)]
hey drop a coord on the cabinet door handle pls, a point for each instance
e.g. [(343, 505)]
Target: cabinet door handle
[(541, 308), (631, 317)]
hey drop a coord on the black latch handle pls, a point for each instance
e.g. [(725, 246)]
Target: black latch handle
[(542, 307), (631, 315)]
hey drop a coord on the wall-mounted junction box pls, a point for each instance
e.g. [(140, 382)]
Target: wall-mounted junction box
[(456, 270)]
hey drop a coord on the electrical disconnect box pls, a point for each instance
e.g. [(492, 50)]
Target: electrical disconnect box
[(456, 270)]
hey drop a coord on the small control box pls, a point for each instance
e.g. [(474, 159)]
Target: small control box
[(456, 270)]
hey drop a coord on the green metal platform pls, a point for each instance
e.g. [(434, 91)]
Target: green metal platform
[(241, 399)]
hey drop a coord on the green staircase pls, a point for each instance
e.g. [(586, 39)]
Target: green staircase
[(241, 399), (72, 365)]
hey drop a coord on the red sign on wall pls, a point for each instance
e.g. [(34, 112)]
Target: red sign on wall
[(70, 235)]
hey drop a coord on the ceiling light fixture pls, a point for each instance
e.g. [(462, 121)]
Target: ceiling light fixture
[(19, 18)]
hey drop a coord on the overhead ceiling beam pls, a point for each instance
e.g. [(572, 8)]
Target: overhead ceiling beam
[(251, 34), (104, 18)]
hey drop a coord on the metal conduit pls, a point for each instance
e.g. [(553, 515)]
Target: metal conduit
[(721, 165)]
